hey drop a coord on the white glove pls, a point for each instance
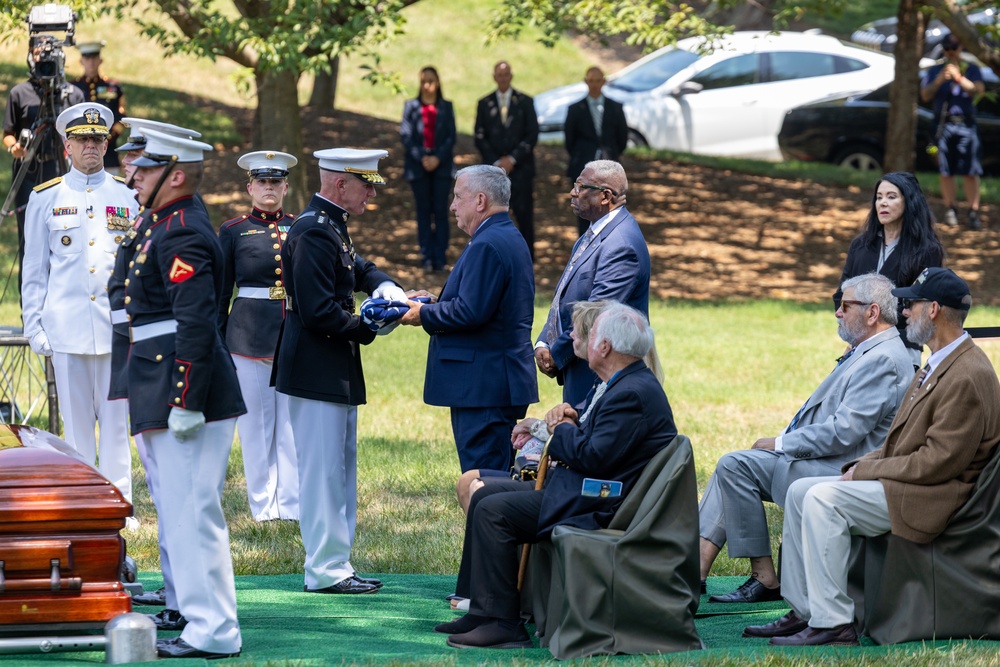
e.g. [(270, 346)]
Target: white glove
[(40, 344), (185, 423), (390, 291)]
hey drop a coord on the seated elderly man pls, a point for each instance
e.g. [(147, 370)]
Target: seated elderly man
[(941, 439), (600, 455), (847, 416)]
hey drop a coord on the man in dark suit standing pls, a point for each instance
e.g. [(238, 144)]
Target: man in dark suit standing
[(480, 360), (610, 261), (627, 421), (506, 134), (595, 130), (318, 361)]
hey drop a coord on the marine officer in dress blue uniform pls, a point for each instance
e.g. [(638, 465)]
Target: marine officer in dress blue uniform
[(318, 363), (184, 397), (168, 618), (251, 248), (74, 224)]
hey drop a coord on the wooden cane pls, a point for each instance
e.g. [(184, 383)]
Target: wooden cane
[(543, 467)]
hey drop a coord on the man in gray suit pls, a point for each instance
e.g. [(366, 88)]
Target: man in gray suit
[(846, 417)]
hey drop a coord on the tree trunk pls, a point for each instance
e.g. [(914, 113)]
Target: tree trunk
[(324, 92), (900, 145), (278, 126)]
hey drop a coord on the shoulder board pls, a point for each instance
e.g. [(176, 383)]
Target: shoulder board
[(120, 179), (48, 184)]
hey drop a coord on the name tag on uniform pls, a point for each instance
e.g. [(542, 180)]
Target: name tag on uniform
[(600, 488)]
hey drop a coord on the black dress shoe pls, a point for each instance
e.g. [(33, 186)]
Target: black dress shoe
[(842, 635), (349, 586), (787, 625), (168, 619), (377, 583), (750, 592), (495, 633), (156, 598), (461, 625), (178, 648)]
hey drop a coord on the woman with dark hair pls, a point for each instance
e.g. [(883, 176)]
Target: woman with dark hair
[(897, 240), (428, 136)]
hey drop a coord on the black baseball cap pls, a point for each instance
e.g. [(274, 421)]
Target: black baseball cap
[(937, 284), (950, 42)]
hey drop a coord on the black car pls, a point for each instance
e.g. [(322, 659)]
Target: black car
[(850, 131), (880, 35)]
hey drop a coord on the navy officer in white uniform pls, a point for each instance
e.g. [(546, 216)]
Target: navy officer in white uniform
[(73, 226), (251, 248), (318, 361), (184, 397)]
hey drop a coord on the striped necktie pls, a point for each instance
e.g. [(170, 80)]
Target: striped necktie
[(553, 323)]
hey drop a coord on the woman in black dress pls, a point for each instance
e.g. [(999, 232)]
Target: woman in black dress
[(897, 240)]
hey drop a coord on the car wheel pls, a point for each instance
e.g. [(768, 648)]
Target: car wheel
[(862, 158), (635, 140)]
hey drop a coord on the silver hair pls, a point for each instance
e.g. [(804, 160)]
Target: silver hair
[(610, 174), (491, 181), (876, 288), (625, 328)]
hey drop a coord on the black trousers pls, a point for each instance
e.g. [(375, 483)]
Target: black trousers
[(522, 206)]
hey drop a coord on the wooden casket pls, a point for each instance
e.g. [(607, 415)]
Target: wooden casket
[(60, 550)]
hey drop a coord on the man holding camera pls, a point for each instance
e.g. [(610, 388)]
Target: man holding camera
[(44, 96)]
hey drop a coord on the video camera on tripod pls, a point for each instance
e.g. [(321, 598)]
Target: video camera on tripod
[(46, 63)]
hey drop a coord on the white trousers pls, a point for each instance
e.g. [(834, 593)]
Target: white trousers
[(326, 442), (267, 442), (152, 483), (821, 515), (189, 479), (82, 382)]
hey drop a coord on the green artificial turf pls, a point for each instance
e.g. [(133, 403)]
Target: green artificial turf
[(281, 625)]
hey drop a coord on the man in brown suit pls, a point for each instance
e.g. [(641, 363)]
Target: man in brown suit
[(943, 435)]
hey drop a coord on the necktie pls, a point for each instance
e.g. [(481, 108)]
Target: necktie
[(920, 379), (597, 114), (504, 102), (553, 323), (798, 415), (601, 388)]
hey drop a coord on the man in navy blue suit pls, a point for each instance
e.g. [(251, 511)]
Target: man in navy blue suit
[(626, 423), (610, 261), (479, 362)]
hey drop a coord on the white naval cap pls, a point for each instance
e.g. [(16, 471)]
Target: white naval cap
[(91, 48), (137, 140), (267, 164), (361, 163), (162, 148), (85, 119)]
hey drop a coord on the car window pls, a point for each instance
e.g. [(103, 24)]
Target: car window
[(655, 72), (790, 65), (739, 70)]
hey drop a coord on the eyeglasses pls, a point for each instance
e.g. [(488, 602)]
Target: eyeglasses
[(908, 303), (578, 186), (845, 303)]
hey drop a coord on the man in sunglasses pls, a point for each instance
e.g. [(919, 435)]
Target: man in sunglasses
[(847, 416), (955, 86), (73, 225), (609, 261), (943, 435)]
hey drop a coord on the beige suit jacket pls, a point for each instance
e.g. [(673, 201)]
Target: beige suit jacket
[(943, 434)]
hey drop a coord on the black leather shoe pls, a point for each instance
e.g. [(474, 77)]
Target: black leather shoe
[(156, 598), (787, 625), (750, 592), (178, 648), (461, 625), (495, 633), (842, 635), (168, 619), (349, 586), (371, 581)]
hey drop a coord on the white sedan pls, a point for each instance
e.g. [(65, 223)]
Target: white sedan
[(728, 97)]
